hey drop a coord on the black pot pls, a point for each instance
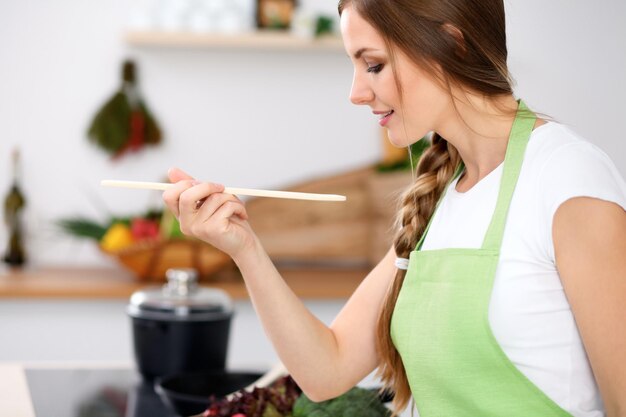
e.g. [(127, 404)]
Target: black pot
[(189, 394), (181, 327)]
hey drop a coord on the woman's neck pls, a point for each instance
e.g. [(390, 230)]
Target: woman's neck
[(479, 129)]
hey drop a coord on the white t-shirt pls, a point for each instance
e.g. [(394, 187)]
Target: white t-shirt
[(529, 312)]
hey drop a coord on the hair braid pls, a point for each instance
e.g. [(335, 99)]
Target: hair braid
[(435, 169)]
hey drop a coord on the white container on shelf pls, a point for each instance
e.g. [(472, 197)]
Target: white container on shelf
[(171, 15), (225, 16), (201, 16), (143, 14), (303, 23)]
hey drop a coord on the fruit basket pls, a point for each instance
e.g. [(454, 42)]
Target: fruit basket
[(148, 261), (149, 244)]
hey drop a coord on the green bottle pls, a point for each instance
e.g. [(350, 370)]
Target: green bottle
[(13, 205)]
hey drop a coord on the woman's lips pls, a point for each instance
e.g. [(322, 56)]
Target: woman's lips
[(385, 118)]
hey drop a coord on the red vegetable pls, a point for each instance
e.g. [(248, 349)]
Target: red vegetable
[(144, 229)]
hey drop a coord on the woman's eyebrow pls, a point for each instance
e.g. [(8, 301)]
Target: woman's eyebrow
[(360, 52)]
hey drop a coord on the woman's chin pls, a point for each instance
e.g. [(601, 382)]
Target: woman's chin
[(397, 142)]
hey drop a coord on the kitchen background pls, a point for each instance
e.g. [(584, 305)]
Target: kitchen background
[(249, 118), (245, 117)]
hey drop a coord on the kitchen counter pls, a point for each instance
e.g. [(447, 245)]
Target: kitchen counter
[(74, 389), (79, 389), (14, 394), (100, 283)]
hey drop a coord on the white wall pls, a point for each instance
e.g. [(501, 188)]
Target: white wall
[(101, 331), (569, 59), (248, 118)]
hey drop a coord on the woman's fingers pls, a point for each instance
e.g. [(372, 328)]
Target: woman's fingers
[(171, 197), (193, 198), (215, 202), (213, 218), (232, 208), (177, 174), (225, 228), (202, 208), (181, 181), (204, 211), (178, 196)]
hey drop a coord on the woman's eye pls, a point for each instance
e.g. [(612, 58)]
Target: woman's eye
[(375, 68)]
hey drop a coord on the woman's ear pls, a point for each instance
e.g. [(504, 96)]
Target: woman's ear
[(458, 37)]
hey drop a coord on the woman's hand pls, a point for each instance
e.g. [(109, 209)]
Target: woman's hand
[(205, 212)]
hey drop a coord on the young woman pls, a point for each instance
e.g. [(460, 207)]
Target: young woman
[(503, 294)]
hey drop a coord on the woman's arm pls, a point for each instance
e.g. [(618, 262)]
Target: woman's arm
[(590, 247), (325, 362)]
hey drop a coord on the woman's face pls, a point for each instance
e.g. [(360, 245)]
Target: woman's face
[(424, 102)]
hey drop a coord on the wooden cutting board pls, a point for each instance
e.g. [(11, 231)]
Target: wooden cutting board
[(356, 232)]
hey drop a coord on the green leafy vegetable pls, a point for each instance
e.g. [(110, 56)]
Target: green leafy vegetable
[(358, 402), (91, 229), (82, 227)]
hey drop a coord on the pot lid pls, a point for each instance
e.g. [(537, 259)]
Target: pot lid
[(180, 297)]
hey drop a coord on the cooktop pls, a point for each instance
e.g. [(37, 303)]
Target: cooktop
[(93, 393)]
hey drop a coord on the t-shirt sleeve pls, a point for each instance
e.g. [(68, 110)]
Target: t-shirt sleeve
[(578, 169)]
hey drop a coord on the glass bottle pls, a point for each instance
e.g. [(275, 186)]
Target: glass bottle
[(13, 206)]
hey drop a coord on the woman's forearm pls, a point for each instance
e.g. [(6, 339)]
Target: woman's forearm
[(306, 346)]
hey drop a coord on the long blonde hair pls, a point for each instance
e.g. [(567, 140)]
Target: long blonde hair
[(476, 61)]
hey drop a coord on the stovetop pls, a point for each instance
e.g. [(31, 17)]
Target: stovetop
[(93, 393)]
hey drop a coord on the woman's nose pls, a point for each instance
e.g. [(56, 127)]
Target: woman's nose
[(360, 93)]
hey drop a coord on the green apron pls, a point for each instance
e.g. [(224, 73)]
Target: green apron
[(440, 326)]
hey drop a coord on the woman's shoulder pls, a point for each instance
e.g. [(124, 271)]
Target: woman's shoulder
[(553, 139), (558, 149), (559, 165), (564, 165)]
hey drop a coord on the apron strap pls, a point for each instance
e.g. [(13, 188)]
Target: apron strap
[(518, 139), (516, 147)]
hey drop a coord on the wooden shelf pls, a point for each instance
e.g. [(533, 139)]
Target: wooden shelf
[(267, 39), (102, 283)]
